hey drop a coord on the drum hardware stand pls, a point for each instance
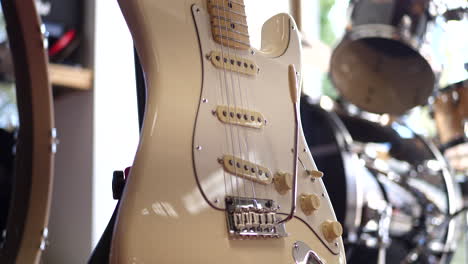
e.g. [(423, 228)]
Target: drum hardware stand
[(427, 237), (383, 233), (384, 224), (100, 254)]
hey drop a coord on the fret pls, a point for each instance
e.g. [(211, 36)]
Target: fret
[(237, 3), (224, 39), (237, 22), (228, 5), (231, 39), (233, 18), (229, 23), (231, 30), (232, 26), (224, 10)]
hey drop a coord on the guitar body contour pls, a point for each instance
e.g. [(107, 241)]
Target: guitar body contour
[(173, 206)]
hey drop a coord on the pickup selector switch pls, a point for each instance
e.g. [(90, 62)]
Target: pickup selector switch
[(283, 182), (309, 203), (331, 230)]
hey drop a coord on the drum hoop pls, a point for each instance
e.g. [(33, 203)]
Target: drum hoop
[(354, 196), (454, 204), (26, 230), (382, 31), (452, 143), (451, 87)]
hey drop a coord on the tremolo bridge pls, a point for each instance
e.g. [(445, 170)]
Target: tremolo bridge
[(253, 218)]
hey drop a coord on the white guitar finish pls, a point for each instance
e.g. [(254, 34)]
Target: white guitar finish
[(165, 216)]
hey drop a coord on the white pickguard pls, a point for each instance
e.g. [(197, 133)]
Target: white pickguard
[(271, 146)]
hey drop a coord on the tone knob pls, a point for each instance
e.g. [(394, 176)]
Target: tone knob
[(283, 182), (331, 230), (309, 203), (314, 173)]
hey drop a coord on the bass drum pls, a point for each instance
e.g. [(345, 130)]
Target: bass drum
[(389, 188), (27, 146)]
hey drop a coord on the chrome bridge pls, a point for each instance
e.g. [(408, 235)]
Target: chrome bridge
[(253, 218)]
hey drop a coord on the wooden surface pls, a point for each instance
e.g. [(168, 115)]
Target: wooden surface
[(70, 76)]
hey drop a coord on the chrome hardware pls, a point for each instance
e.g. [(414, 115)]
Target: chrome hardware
[(303, 254), (44, 240), (54, 140), (250, 218)]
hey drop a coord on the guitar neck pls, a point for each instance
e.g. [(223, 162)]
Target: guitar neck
[(229, 23)]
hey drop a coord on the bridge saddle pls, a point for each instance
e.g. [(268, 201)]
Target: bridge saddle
[(252, 218)]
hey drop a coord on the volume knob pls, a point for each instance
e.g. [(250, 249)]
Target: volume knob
[(309, 203), (331, 230), (283, 182)]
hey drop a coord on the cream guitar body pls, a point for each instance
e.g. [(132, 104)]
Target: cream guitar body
[(213, 177)]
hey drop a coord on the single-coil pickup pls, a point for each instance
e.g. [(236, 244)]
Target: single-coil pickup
[(232, 62), (246, 169), (239, 116)]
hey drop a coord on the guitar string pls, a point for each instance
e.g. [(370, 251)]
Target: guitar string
[(254, 153), (245, 132), (220, 98), (228, 104), (234, 99), (236, 164)]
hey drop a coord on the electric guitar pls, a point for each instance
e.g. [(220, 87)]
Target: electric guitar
[(222, 173)]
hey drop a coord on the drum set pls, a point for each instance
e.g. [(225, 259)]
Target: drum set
[(393, 190)]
